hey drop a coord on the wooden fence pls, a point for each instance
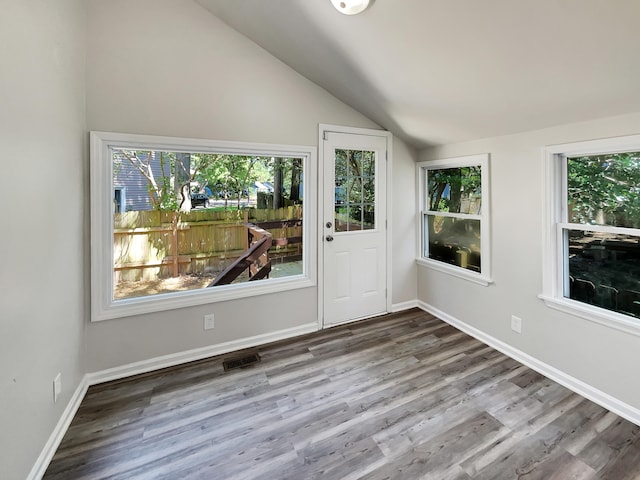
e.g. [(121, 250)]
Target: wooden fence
[(152, 244)]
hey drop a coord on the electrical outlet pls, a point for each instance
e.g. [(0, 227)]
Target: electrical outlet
[(57, 387), (516, 324), (208, 322)]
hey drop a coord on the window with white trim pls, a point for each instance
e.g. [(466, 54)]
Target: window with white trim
[(592, 249), (455, 216), (202, 221)]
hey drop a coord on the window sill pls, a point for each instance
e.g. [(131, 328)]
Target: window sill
[(618, 321), (457, 272), (162, 302)]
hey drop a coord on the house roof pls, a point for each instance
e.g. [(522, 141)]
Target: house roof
[(445, 71)]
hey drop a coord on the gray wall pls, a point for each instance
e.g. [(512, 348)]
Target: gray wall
[(602, 357), (42, 204), (214, 83)]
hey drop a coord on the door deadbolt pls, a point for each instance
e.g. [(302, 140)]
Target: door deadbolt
[(329, 224)]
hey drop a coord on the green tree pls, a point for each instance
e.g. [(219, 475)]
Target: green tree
[(604, 189), (463, 182), (229, 175), (160, 188), (169, 175), (296, 179)]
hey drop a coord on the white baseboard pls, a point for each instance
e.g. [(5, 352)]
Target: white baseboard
[(399, 307), (40, 467), (116, 373), (578, 386), (171, 360)]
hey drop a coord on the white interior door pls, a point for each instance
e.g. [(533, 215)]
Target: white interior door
[(354, 227)]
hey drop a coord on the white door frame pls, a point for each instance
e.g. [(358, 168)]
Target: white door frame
[(323, 127)]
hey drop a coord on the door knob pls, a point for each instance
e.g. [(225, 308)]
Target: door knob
[(329, 238)]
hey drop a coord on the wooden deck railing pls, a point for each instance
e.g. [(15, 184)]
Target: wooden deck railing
[(255, 258)]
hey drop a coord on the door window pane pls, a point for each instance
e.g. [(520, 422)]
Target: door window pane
[(346, 218), (369, 216), (340, 194), (369, 165), (341, 166), (355, 163), (354, 190)]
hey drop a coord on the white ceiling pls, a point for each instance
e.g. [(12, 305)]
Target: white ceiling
[(444, 71)]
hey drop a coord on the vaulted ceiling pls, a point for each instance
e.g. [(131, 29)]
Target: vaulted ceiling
[(444, 71)]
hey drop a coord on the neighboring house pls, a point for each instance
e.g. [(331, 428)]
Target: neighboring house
[(263, 186), (131, 188)]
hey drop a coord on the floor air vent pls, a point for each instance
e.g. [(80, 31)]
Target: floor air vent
[(241, 362)]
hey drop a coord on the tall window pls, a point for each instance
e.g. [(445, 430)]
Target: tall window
[(593, 257), (201, 221), (455, 226)]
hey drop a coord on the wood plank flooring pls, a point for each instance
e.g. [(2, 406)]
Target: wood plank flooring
[(404, 396)]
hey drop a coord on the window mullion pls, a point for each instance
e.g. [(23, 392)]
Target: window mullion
[(469, 216), (600, 228)]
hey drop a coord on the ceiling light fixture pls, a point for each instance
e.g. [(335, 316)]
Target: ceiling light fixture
[(350, 7)]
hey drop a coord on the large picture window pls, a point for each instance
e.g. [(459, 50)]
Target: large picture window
[(179, 222), (593, 257), (454, 206)]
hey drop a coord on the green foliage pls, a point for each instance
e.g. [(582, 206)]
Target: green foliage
[(233, 176), (604, 189), (464, 183), (172, 176), (229, 176), (168, 201), (355, 184), (160, 189)]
